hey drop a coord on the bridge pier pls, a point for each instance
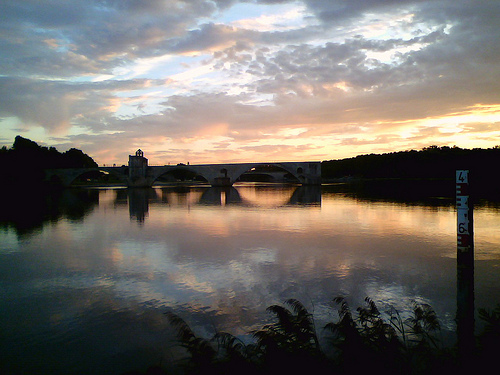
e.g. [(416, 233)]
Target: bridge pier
[(221, 181)]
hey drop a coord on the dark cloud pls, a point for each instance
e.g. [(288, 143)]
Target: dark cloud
[(342, 12), (56, 104), (210, 36), (85, 36)]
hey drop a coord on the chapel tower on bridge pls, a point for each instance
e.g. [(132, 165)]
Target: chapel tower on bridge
[(137, 168)]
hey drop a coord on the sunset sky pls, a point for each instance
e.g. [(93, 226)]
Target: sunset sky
[(241, 81)]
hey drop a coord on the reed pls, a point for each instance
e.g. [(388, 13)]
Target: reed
[(365, 340)]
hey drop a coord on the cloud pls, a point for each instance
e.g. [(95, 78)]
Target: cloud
[(482, 127), (211, 37), (113, 76), (56, 105), (90, 36)]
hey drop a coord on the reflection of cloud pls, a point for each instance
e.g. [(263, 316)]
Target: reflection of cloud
[(112, 272), (115, 255), (260, 255), (190, 279), (343, 271)]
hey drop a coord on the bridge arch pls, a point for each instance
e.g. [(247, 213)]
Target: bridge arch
[(247, 167), (178, 172), (67, 177)]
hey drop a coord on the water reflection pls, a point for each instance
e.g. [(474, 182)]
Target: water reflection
[(306, 195), (249, 195), (138, 203), (423, 192), (27, 213), (93, 286), (220, 196)]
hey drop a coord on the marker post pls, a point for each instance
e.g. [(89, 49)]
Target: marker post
[(465, 267)]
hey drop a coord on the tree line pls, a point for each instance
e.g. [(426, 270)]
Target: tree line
[(432, 168), (429, 163), (25, 161)]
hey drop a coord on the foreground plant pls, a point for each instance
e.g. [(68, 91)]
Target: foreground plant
[(391, 344), (220, 354), (364, 341), (291, 343)]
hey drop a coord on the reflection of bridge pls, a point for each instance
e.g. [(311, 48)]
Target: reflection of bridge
[(139, 174), (140, 199)]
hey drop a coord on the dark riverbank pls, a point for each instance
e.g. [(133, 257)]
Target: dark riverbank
[(430, 171)]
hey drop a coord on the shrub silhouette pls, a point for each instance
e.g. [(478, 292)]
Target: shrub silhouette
[(223, 353), (391, 345), (291, 343), (362, 341)]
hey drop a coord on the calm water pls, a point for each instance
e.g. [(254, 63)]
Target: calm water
[(86, 275)]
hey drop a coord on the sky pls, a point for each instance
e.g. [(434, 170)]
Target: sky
[(226, 81)]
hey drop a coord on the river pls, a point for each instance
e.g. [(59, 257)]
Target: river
[(86, 275)]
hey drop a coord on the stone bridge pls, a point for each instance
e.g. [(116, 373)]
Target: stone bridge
[(139, 174)]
